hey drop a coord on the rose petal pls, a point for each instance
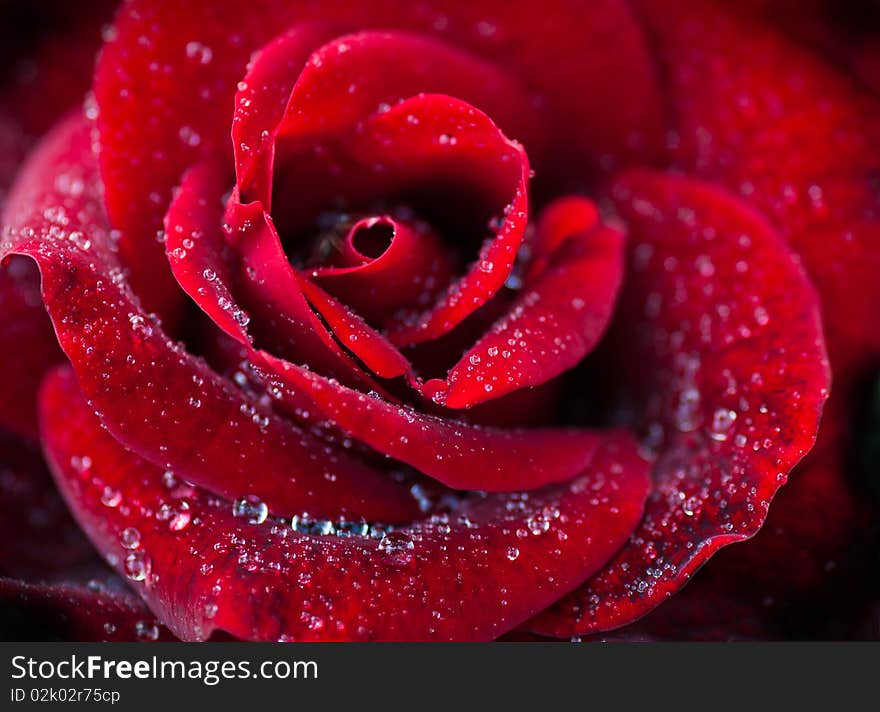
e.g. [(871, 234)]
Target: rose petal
[(452, 141), (458, 454), (468, 576), (554, 323), (284, 320), (412, 270), (377, 353), (68, 612), (801, 142), (268, 303), (167, 76), (347, 80), (730, 401), (27, 345), (159, 400), (427, 140), (818, 529)]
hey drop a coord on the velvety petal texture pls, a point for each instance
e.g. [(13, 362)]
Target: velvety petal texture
[(710, 277), (202, 568), (437, 321)]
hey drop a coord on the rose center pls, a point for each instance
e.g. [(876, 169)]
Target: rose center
[(380, 264)]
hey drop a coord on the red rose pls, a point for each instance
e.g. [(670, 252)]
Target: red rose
[(488, 318)]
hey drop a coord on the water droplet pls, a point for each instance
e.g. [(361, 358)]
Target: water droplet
[(690, 506), (512, 553), (398, 546), (130, 538), (251, 508), (137, 566), (145, 630), (111, 497), (199, 52), (537, 524), (180, 519), (722, 420)]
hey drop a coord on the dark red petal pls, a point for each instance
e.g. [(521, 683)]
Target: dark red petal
[(273, 293), (167, 77), (27, 346), (155, 397), (412, 270), (38, 538), (794, 137), (554, 323), (71, 612), (428, 142), (452, 141), (730, 400), (372, 348), (346, 81), (818, 527), (802, 143), (261, 102), (472, 575), (459, 455), (162, 102)]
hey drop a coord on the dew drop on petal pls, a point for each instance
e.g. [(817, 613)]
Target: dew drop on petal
[(251, 508)]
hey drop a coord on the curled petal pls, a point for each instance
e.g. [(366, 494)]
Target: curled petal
[(429, 142), (471, 575), (261, 300), (459, 455), (412, 269), (453, 141), (159, 400), (347, 80), (730, 402), (553, 324)]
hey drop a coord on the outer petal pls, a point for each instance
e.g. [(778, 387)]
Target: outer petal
[(155, 397), (66, 612), (801, 142), (27, 345), (730, 401), (38, 539), (471, 575), (168, 74), (347, 80), (795, 138)]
